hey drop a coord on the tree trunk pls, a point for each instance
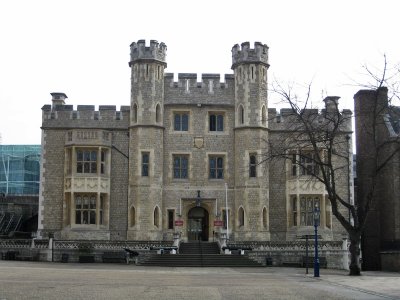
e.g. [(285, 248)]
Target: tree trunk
[(355, 267)]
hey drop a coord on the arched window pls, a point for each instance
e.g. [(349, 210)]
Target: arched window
[(241, 217), (158, 113), (156, 216), (133, 216), (134, 113), (264, 218), (263, 115), (241, 114)]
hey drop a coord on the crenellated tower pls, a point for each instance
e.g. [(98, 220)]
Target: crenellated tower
[(146, 140), (250, 66)]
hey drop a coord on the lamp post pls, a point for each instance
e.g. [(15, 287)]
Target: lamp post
[(227, 212), (316, 223)]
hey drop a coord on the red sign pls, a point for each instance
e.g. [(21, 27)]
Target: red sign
[(178, 222), (218, 223)]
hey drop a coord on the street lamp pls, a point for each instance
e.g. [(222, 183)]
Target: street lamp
[(316, 223)]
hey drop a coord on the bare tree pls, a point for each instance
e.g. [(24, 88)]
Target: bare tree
[(318, 143)]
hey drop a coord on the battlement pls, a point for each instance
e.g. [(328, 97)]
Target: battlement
[(192, 78), (245, 54), (85, 115), (283, 119), (208, 90), (156, 51)]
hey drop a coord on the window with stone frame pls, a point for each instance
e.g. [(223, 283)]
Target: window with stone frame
[(181, 121), (145, 164), (294, 210), (132, 216), (85, 208), (265, 218), (308, 164), (101, 208), (171, 218), (303, 209), (86, 161), (158, 113), (253, 165), (263, 116), (103, 156), (303, 163), (241, 217), (181, 166), (135, 113), (216, 121), (216, 167), (241, 114), (156, 216)]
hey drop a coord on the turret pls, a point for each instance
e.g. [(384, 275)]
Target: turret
[(156, 51), (146, 146), (247, 55), (250, 68), (147, 82)]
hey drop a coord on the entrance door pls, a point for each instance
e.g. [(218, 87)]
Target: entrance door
[(198, 224)]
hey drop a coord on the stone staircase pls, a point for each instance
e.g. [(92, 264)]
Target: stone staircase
[(200, 254), (199, 248)]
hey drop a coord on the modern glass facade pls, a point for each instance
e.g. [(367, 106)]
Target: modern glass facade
[(19, 169)]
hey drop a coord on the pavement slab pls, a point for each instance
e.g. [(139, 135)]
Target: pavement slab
[(42, 280)]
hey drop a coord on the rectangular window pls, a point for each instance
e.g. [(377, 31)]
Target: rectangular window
[(181, 166), (216, 164), (85, 209), (181, 121), (216, 122), (253, 165), (294, 164), (308, 164), (103, 162), (145, 163), (307, 206), (101, 209), (171, 218), (86, 161), (294, 206)]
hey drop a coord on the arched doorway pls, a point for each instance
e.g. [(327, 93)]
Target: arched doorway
[(198, 224)]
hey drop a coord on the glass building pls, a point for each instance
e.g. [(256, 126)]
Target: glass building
[(19, 169)]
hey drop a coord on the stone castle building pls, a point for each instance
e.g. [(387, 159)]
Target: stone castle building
[(182, 157)]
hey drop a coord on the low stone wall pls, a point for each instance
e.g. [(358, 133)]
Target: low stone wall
[(279, 253), (69, 251), (292, 253)]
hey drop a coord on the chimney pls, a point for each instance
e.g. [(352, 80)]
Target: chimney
[(332, 103), (58, 99)]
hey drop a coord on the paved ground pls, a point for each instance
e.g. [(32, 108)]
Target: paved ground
[(38, 280)]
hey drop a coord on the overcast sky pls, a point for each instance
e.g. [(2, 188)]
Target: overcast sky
[(81, 48)]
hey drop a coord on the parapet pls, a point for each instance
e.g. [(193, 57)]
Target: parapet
[(156, 51), (245, 54)]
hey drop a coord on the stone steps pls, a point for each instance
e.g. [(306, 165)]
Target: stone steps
[(200, 260), (199, 248)]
